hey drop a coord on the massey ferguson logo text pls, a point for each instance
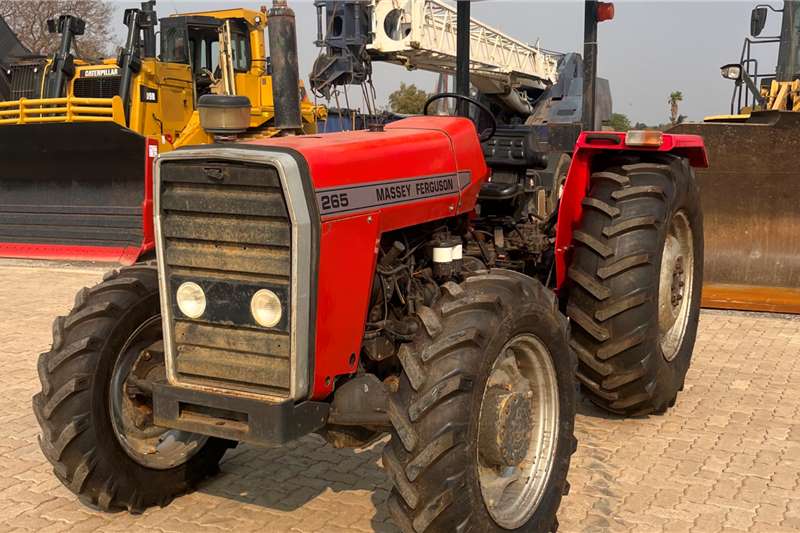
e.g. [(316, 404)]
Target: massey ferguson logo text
[(100, 73), (419, 189), (364, 197)]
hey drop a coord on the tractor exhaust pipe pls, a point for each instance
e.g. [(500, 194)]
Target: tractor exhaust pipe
[(285, 67)]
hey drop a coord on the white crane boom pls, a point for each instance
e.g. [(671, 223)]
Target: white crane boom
[(421, 34)]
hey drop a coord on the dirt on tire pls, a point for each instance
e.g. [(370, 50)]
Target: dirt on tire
[(73, 407), (613, 293), (432, 456)]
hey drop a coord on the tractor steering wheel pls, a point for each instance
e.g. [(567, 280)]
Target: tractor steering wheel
[(486, 134)]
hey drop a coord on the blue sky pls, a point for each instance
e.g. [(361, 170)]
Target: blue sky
[(651, 48)]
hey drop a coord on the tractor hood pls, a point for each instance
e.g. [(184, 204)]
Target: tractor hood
[(433, 163)]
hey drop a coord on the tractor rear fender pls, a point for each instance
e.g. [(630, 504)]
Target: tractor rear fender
[(589, 145)]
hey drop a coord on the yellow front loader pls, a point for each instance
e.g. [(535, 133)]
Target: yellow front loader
[(78, 139), (751, 190)]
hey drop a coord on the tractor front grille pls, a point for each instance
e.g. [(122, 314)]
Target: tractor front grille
[(26, 80), (226, 227), (99, 87)]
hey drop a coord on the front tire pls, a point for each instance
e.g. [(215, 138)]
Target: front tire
[(100, 444), (484, 415), (635, 282)]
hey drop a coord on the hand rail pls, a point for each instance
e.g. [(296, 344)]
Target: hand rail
[(55, 110)]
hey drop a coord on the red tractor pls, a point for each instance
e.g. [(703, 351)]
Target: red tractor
[(394, 280)]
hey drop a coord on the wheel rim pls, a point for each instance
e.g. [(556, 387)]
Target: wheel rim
[(525, 379), (131, 405), (675, 285)]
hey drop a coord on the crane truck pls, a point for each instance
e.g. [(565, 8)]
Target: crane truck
[(395, 280)]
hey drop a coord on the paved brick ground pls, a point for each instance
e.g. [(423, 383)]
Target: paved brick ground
[(726, 459)]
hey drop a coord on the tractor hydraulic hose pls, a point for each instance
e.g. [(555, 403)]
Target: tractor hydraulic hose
[(285, 67)]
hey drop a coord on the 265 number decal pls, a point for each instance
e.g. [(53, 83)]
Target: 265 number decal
[(334, 201)]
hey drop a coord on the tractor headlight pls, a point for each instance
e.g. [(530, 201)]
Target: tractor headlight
[(191, 299), (266, 308)]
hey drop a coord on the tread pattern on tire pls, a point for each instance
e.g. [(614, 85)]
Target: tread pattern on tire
[(71, 438), (423, 458), (613, 297)]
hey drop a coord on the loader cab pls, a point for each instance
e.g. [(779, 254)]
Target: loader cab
[(201, 41), (757, 86)]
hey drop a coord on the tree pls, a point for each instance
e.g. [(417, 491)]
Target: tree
[(640, 126), (408, 100), (619, 122), (29, 18), (675, 98)]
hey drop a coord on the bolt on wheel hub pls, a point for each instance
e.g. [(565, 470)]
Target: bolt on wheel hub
[(675, 285), (518, 431), (131, 404), (505, 432), (678, 282)]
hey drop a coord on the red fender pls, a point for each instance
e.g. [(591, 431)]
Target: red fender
[(577, 184)]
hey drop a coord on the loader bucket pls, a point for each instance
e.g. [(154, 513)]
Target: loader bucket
[(74, 191), (750, 195)]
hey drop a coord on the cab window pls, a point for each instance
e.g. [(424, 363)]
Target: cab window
[(240, 48), (175, 45), (214, 56)]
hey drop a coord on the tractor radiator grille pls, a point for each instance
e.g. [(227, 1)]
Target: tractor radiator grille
[(100, 87), (25, 81), (226, 227)]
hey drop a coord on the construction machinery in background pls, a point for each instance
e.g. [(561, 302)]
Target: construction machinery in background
[(750, 191), (11, 50), (396, 280), (78, 139)]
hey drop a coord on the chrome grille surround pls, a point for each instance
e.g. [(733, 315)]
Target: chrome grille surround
[(302, 243)]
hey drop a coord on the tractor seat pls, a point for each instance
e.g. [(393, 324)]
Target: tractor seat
[(517, 147), (510, 153), (493, 190)]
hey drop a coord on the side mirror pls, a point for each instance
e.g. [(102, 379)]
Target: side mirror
[(732, 72), (758, 19)]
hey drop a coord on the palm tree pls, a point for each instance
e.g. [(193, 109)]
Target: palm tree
[(674, 98)]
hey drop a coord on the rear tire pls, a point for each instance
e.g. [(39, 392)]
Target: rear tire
[(642, 222), (74, 408), (436, 454)]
